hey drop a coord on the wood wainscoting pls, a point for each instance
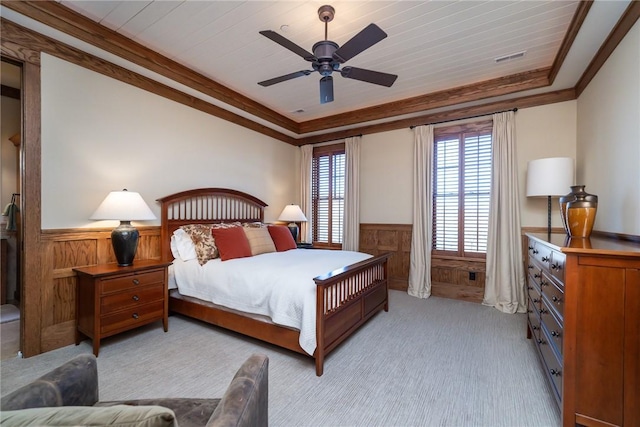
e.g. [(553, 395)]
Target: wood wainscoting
[(62, 250), (395, 238), (458, 278)]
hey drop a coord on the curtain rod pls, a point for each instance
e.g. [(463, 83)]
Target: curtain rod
[(335, 139), (464, 118)]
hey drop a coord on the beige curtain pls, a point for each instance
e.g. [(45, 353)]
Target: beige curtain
[(421, 238), (306, 159), (351, 224), (505, 281)]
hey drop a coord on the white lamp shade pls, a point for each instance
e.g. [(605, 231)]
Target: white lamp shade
[(292, 213), (124, 206), (549, 177)]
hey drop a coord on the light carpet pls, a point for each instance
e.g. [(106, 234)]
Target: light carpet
[(434, 362)]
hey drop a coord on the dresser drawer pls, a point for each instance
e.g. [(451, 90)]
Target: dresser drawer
[(540, 253), (552, 326), (131, 280), (132, 298), (534, 320), (557, 266), (552, 364), (553, 295), (131, 317), (534, 292)]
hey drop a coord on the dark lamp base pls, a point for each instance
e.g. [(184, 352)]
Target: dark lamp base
[(293, 228), (124, 239)]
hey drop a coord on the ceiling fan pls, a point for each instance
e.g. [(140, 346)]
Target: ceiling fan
[(327, 57)]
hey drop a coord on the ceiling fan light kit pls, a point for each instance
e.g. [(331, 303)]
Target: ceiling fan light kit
[(327, 57)]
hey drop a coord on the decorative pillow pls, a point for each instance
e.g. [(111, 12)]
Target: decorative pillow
[(282, 237), (231, 242), (183, 245), (204, 245), (122, 415), (257, 224), (259, 240)]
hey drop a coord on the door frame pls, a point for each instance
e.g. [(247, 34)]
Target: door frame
[(30, 284)]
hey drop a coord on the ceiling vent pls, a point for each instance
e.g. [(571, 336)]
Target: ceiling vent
[(510, 57)]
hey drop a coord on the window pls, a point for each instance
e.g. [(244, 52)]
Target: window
[(328, 173), (462, 189)]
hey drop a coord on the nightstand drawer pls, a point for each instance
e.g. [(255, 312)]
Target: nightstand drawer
[(131, 281), (132, 298), (126, 319)]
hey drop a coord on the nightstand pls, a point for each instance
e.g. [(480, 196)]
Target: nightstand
[(112, 299), (305, 245)]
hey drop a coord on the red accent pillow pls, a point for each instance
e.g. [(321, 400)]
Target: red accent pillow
[(231, 242), (282, 238)]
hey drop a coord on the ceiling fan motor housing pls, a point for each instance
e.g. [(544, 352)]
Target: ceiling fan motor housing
[(323, 50)]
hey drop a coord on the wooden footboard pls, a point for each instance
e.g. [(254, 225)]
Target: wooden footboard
[(346, 298)]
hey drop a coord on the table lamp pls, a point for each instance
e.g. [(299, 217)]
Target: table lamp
[(292, 214), (550, 177), (125, 206)]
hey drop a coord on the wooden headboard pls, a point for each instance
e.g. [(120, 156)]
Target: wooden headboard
[(205, 206)]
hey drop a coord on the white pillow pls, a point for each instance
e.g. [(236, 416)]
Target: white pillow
[(184, 245), (174, 248)]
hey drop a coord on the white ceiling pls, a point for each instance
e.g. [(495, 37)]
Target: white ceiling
[(431, 45)]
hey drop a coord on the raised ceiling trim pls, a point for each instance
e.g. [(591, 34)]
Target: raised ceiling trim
[(14, 34), (501, 86), (70, 22), (624, 24), (574, 27), (456, 114)]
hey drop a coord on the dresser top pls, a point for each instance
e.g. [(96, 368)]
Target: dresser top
[(596, 245)]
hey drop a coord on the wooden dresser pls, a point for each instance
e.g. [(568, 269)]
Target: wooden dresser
[(112, 299), (584, 315)]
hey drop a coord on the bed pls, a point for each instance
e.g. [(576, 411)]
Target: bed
[(345, 298)]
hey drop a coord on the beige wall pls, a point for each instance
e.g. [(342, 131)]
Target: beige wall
[(386, 165), (99, 135), (608, 160)]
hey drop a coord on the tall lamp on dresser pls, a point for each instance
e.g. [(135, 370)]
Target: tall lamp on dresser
[(551, 177)]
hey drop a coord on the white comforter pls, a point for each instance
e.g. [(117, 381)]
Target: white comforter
[(279, 285)]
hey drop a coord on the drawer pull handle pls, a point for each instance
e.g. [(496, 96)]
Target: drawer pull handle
[(136, 281), (529, 311), (530, 267), (555, 372), (136, 298), (556, 334), (135, 315), (555, 266), (535, 327), (543, 283), (530, 248), (530, 288), (541, 341), (535, 251), (545, 258), (556, 299), (537, 275), (536, 300), (543, 311)]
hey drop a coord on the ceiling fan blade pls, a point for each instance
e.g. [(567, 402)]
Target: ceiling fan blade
[(284, 42), (326, 89), (284, 78), (375, 77), (366, 38)]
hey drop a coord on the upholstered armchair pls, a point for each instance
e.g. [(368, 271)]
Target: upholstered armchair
[(68, 395)]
